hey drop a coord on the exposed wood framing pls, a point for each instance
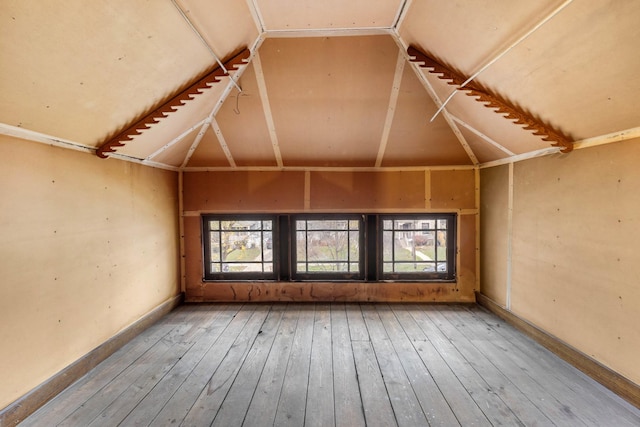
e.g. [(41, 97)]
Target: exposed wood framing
[(393, 102), (481, 135), (432, 93), (328, 168), (402, 13), (256, 15), (505, 50), (176, 140), (172, 104), (329, 32), (623, 135), (222, 142), (236, 76), (262, 89), (490, 100)]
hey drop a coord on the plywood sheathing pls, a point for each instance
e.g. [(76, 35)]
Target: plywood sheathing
[(330, 101), (309, 14), (329, 191), (243, 125), (413, 140), (91, 67)]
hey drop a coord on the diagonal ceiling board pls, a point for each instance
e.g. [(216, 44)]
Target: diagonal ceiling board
[(177, 140), (393, 102), (467, 36), (330, 101), (171, 127), (266, 108), (208, 153), (234, 77), (225, 25), (485, 152), (223, 142), (173, 155), (583, 63), (413, 140), (242, 120), (484, 137), (438, 101), (312, 14), (103, 62)]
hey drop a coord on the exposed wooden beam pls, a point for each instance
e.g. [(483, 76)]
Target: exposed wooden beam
[(490, 100), (506, 50), (256, 14), (222, 142), (329, 32), (176, 140), (328, 168), (171, 105), (481, 135), (609, 138), (266, 106), (225, 94), (393, 102), (402, 14), (432, 93)]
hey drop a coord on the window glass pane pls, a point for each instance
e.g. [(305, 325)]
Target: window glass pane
[(328, 246), (242, 245), (415, 245)]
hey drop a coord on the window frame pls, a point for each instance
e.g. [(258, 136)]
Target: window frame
[(238, 276), (371, 249), (328, 276), (429, 276)]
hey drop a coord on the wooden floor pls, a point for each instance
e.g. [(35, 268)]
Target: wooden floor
[(334, 364)]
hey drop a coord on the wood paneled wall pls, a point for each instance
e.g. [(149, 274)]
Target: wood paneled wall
[(565, 230), (437, 190), (88, 247)]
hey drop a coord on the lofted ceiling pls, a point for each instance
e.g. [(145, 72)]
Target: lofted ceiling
[(326, 83)]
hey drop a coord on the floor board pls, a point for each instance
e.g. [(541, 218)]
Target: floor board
[(333, 364)]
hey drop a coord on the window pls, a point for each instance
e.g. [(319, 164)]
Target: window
[(418, 246), (367, 247), (238, 247), (328, 247)]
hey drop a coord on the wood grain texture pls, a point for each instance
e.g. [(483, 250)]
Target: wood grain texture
[(335, 364)]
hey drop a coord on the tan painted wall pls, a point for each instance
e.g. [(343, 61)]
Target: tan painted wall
[(575, 269), (494, 199), (331, 191), (88, 247)]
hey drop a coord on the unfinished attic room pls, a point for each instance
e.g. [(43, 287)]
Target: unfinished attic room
[(331, 213)]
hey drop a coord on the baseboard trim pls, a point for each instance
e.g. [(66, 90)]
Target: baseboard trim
[(30, 402), (615, 382)]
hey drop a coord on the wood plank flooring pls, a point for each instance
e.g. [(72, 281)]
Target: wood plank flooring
[(334, 364)]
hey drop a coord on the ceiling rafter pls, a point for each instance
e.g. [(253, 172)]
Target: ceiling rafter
[(175, 140), (482, 135), (171, 105), (432, 93), (223, 142), (403, 10), (490, 100), (506, 50), (393, 102), (223, 97), (266, 106), (256, 14)]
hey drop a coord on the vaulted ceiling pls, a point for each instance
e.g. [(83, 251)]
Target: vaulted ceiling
[(325, 83)]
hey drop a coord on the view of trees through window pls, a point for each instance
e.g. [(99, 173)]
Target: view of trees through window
[(327, 246), (241, 246), (339, 247), (415, 245)]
